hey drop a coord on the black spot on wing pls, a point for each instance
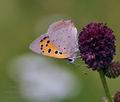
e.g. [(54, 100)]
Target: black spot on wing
[(49, 50), (60, 52), (48, 41), (41, 40), (41, 46), (44, 38), (56, 52), (46, 45)]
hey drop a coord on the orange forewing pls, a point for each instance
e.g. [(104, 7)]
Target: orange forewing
[(49, 49)]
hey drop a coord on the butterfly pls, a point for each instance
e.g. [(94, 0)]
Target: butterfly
[(60, 41)]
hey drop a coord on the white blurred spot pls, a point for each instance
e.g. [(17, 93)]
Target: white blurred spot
[(42, 80)]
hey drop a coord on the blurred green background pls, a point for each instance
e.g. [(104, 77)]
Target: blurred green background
[(21, 21)]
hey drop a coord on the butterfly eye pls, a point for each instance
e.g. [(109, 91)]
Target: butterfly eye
[(71, 60)]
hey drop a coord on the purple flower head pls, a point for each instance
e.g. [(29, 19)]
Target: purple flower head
[(117, 96), (97, 45), (113, 70)]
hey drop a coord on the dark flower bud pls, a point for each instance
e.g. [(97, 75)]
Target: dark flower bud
[(113, 70), (97, 45), (117, 97)]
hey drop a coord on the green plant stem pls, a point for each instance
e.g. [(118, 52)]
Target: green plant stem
[(106, 89)]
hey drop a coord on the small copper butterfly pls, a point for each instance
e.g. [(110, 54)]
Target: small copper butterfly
[(60, 41)]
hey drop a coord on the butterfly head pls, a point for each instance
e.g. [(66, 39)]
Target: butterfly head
[(71, 60)]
